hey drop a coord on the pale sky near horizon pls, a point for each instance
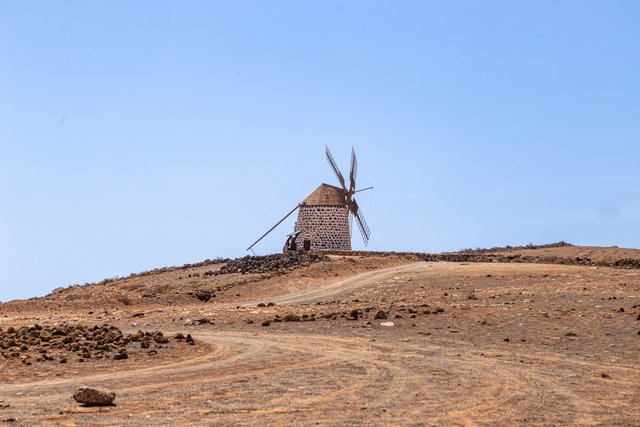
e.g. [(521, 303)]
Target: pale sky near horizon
[(136, 135)]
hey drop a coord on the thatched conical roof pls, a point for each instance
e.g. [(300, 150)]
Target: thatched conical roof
[(326, 194)]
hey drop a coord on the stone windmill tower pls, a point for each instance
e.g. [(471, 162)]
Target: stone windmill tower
[(325, 216)]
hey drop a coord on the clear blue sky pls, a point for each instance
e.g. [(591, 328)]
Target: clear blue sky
[(141, 134)]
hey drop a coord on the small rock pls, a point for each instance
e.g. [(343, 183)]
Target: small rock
[(570, 334), (204, 296), (178, 336), (380, 315), (387, 324), (398, 316), (93, 397), (603, 375), (160, 339), (189, 339), (152, 352), (262, 304), (121, 356), (266, 323), (271, 304)]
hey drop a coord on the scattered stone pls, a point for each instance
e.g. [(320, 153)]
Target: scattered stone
[(570, 334), (603, 375), (189, 339), (152, 352), (291, 318), (262, 304), (271, 304), (380, 314), (159, 338), (93, 397), (398, 316), (387, 324), (178, 336), (121, 356), (140, 314), (266, 323), (204, 296)]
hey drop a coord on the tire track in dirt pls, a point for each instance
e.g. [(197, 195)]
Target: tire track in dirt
[(314, 355)]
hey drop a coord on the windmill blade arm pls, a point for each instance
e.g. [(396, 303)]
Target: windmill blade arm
[(362, 224), (272, 228), (353, 171), (364, 228), (335, 168)]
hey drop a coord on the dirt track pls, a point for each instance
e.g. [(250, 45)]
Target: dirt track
[(433, 369)]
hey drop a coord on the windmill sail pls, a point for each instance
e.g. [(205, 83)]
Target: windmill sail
[(352, 172), (335, 168), (362, 224)]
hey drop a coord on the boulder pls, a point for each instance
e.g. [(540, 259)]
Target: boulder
[(93, 397)]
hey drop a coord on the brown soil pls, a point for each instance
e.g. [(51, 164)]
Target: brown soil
[(540, 339)]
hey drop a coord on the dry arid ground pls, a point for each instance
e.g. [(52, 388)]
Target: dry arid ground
[(521, 336)]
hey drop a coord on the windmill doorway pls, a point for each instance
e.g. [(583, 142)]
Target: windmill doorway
[(307, 244)]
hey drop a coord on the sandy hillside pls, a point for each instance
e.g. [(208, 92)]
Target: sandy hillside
[(517, 336)]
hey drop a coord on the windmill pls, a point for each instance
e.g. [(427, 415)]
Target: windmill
[(325, 216)]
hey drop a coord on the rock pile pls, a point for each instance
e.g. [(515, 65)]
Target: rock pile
[(480, 256), (277, 263), (365, 313), (49, 343)]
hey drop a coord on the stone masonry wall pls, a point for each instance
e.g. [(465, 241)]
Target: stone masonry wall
[(326, 226)]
